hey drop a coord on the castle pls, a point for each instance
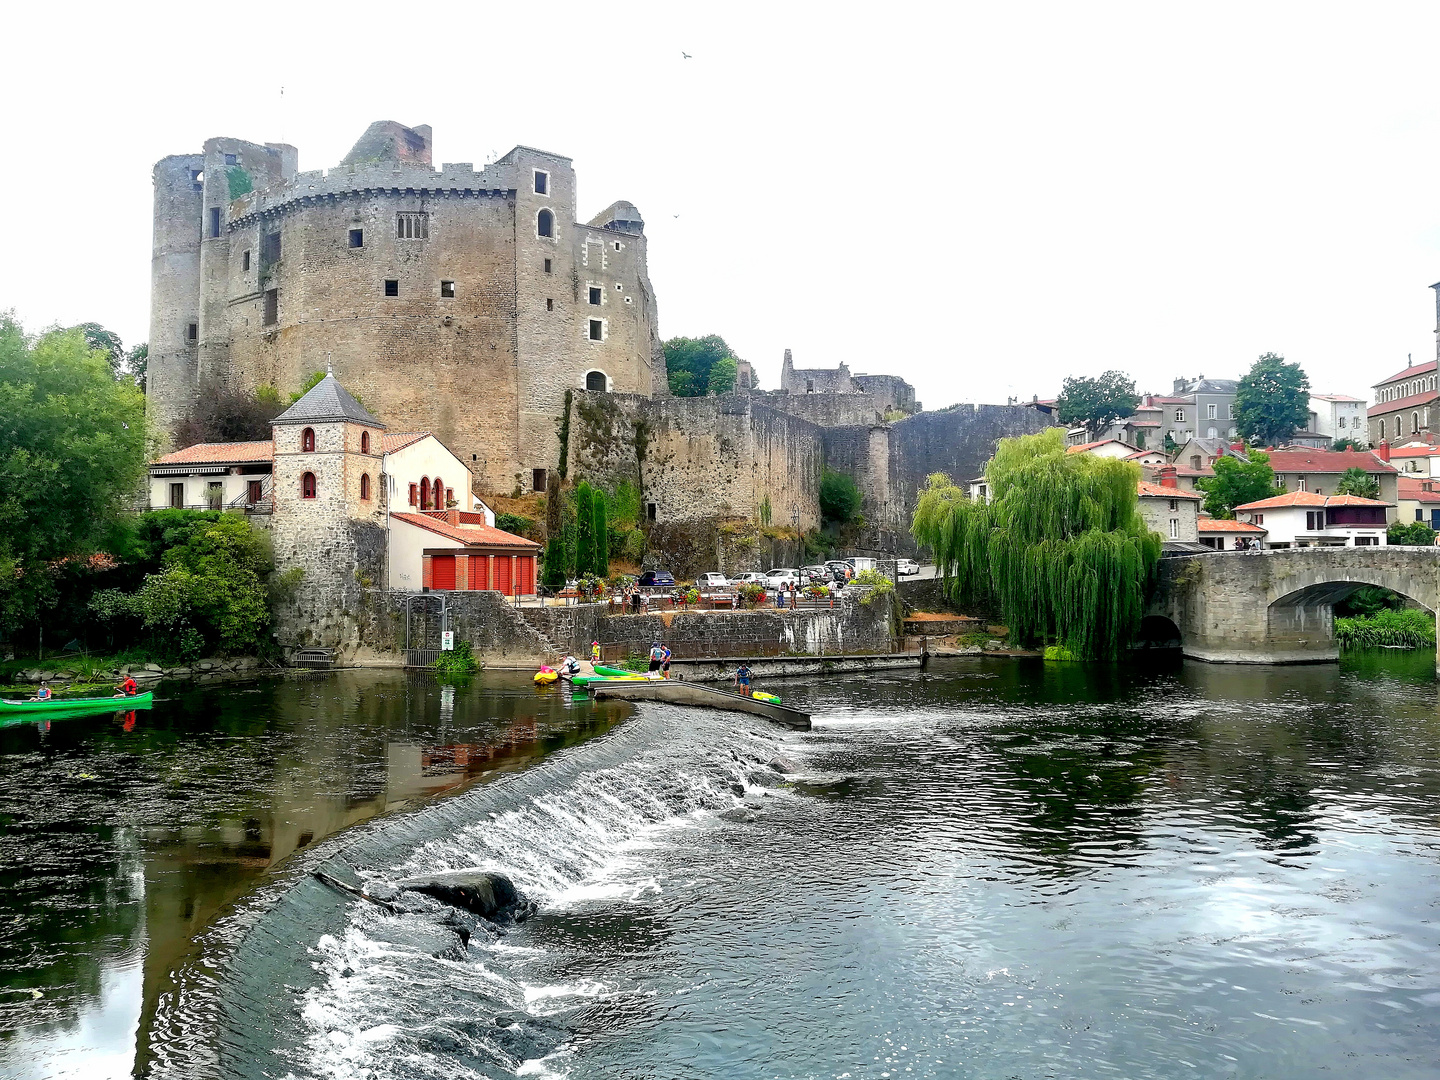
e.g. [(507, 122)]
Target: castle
[(458, 301)]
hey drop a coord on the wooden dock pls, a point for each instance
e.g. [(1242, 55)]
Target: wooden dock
[(706, 697)]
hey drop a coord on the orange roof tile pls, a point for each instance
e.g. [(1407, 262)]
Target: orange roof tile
[(1145, 488), (472, 535), (1091, 446), (391, 441), (220, 453), (1415, 491), (1422, 398), (1227, 525), (1326, 461), (1310, 498), (1415, 369)]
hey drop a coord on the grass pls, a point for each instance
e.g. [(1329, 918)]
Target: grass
[(1404, 628)]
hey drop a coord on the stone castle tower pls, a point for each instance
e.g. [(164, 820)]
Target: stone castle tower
[(457, 301)]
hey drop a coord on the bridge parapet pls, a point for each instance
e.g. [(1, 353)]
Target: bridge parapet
[(1277, 607)]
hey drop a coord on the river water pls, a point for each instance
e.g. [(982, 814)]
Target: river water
[(994, 869)]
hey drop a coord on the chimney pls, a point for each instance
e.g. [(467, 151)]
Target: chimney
[(1238, 447), (452, 517), (1167, 476), (1383, 451)]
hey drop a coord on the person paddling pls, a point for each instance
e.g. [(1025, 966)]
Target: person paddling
[(42, 693), (128, 688)]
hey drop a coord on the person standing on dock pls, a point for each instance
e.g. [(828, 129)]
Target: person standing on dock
[(594, 652), (665, 661), (742, 679), (657, 656)]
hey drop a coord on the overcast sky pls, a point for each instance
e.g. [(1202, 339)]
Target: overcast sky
[(982, 198)]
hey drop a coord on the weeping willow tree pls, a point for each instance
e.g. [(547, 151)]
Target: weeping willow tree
[(1059, 548)]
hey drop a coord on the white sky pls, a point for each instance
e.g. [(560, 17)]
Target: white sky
[(980, 197)]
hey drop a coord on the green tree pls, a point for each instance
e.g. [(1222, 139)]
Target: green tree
[(722, 376), (1237, 482), (584, 528), (72, 455), (689, 361), (1348, 444), (554, 577), (1059, 548), (1096, 403), (600, 564), (1356, 481), (1411, 534), (222, 414), (1272, 401), (107, 342), (839, 498)]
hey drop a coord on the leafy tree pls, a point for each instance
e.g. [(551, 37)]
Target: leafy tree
[(1356, 481), (1272, 401), (690, 360), (1369, 600), (1348, 444), (1237, 482), (1411, 534), (722, 376), (72, 455), (1096, 403), (554, 577), (839, 498), (585, 528), (137, 365), (518, 524), (105, 341), (1060, 547), (600, 563), (223, 414)]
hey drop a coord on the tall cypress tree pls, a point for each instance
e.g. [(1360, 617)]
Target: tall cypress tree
[(602, 536), (584, 528)]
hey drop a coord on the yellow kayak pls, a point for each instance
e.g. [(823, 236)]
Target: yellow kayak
[(546, 675), (760, 695)]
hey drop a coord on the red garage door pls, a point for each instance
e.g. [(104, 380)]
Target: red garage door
[(527, 575), (442, 572), (502, 573)]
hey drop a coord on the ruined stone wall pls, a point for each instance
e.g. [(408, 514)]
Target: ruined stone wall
[(826, 410), (894, 391)]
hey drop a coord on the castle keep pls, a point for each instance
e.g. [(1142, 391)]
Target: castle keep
[(460, 301)]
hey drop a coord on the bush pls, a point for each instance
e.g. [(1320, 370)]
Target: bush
[(554, 575), (839, 498), (751, 594), (819, 592), (514, 523), (458, 661), (1405, 628), (1412, 534), (878, 582)]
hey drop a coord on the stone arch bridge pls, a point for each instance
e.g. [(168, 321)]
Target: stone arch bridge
[(1276, 607)]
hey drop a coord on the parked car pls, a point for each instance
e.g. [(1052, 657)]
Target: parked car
[(840, 571), (782, 575), (751, 579), (860, 563), (657, 577), (815, 575), (907, 567), (711, 581)]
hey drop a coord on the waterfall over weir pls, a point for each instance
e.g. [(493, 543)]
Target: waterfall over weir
[(324, 985)]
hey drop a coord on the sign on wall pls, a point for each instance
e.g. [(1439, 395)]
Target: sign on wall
[(447, 641)]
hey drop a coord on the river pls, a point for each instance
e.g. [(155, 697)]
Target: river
[(998, 868)]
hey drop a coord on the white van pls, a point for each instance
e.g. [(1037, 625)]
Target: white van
[(860, 563)]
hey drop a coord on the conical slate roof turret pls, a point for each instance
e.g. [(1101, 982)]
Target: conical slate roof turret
[(325, 402)]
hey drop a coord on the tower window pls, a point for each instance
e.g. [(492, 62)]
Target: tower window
[(392, 287), (547, 266), (596, 380), (245, 259), (411, 226), (364, 442), (447, 290), (617, 245), (595, 295), (270, 249), (545, 223), (542, 183), (357, 237), (272, 307), (214, 222), (230, 159), (307, 440), (365, 486), (549, 304), (307, 486), (192, 332), (650, 511), (197, 178), (597, 330), (538, 479)]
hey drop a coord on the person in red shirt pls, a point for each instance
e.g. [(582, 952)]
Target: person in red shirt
[(129, 688)]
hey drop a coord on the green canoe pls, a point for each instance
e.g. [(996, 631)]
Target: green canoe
[(618, 673), (586, 680), (11, 708)]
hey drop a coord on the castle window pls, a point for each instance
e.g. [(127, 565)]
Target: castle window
[(538, 479), (412, 226), (596, 380), (597, 329), (447, 290), (230, 159), (364, 442), (270, 249), (618, 287), (595, 295), (809, 386), (545, 223), (392, 287), (414, 494), (1414, 422), (547, 266), (197, 178), (650, 511), (272, 307), (617, 245), (307, 440), (365, 486), (192, 332), (307, 486), (357, 238), (245, 259), (214, 222), (549, 304), (424, 493), (542, 182), (629, 300)]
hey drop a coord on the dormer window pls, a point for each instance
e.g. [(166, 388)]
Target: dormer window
[(307, 441)]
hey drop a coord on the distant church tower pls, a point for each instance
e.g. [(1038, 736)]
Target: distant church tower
[(329, 515)]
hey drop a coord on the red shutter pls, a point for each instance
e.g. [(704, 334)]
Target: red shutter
[(502, 574), (443, 572)]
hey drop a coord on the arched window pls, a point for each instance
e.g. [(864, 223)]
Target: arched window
[(364, 442), (439, 494), (424, 493), (307, 484), (545, 223), (596, 380), (307, 440), (1382, 429), (365, 486), (1414, 422)]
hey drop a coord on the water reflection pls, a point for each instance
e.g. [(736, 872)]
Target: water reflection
[(122, 836)]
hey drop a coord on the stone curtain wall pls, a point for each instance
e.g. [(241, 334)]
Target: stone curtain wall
[(827, 410)]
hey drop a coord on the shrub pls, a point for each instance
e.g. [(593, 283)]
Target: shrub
[(878, 582), (751, 594), (1410, 534), (518, 524), (819, 592), (458, 661), (1405, 628), (839, 498)]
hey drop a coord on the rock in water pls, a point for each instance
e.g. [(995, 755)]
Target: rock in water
[(490, 895)]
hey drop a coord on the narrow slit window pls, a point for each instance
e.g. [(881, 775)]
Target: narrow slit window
[(245, 259), (365, 442), (392, 287), (549, 304), (272, 307), (365, 486), (447, 290), (357, 238), (214, 222), (192, 332), (547, 266)]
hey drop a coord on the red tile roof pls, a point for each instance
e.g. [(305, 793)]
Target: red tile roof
[(1417, 369), (1145, 488), (1310, 498), (391, 441), (1083, 447), (471, 535), (220, 453), (1326, 461), (1414, 451), (1425, 398), (1339, 398), (1227, 525), (1414, 490)]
